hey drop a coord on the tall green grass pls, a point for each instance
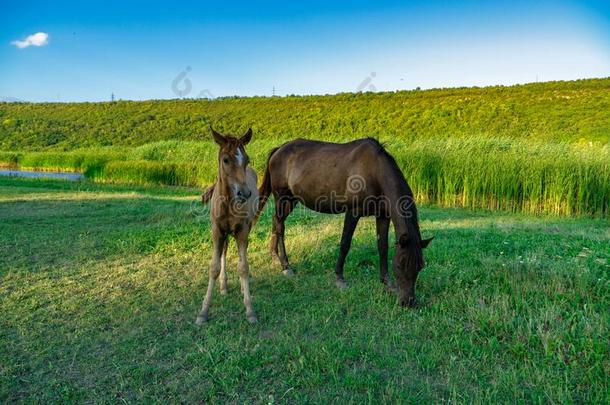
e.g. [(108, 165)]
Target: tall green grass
[(88, 161), (147, 172), (10, 158), (509, 175), (475, 172)]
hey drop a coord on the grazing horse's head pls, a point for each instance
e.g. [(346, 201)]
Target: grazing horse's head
[(232, 163), (408, 262)]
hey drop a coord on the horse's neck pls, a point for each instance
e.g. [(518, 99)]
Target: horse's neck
[(397, 195), (399, 220)]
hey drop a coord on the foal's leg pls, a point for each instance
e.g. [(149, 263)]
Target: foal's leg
[(383, 226), (349, 226), (219, 242), (283, 208), (243, 270), (223, 268)]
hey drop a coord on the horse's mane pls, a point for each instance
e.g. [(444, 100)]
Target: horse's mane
[(382, 150), (407, 191)]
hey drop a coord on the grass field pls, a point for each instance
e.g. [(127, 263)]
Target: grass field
[(100, 286)]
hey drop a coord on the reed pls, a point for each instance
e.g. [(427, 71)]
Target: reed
[(475, 172), (538, 177), (146, 172)]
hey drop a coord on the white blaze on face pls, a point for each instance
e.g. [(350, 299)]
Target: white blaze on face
[(239, 156)]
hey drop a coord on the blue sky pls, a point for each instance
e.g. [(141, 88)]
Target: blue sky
[(137, 49)]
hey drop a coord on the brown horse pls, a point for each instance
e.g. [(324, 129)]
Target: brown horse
[(234, 201), (358, 178)]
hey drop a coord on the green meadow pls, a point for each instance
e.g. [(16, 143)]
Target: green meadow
[(101, 279), (100, 286), (538, 148)]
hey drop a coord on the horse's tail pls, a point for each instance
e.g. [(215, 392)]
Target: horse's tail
[(207, 194), (265, 190)]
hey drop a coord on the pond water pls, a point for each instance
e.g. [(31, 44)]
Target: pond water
[(42, 174)]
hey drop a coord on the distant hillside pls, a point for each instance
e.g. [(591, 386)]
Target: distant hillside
[(575, 111)]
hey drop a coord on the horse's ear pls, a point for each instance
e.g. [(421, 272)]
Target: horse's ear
[(218, 138), (403, 241), (425, 242), (247, 137)]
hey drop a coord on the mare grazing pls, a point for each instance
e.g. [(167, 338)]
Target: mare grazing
[(234, 201), (359, 179)]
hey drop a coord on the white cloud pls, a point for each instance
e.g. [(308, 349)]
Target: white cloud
[(38, 39)]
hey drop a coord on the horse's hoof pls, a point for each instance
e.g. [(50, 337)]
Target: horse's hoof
[(288, 272), (251, 318), (341, 284), (201, 319)]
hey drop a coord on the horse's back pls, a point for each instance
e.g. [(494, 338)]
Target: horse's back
[(315, 170), (309, 145), (307, 152)]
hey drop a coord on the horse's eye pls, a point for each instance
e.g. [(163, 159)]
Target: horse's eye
[(226, 160)]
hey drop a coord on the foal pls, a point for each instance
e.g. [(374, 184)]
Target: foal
[(234, 202)]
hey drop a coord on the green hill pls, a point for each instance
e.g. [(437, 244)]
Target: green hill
[(558, 111)]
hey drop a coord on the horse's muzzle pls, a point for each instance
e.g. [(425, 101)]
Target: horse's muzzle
[(242, 196)]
